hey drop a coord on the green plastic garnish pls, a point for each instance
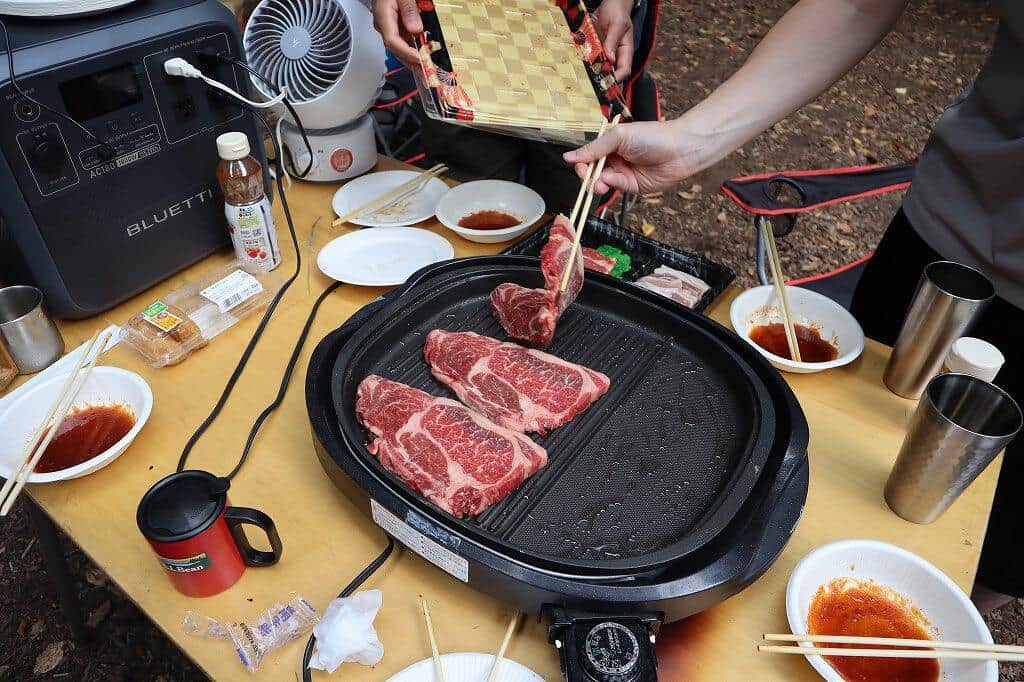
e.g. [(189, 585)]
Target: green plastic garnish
[(623, 261)]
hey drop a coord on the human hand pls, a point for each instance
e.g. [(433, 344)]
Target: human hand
[(397, 21), (642, 157), (614, 22)]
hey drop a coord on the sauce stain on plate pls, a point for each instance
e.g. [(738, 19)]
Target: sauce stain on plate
[(863, 608)]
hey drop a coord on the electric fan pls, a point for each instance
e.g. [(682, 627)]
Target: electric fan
[(331, 60)]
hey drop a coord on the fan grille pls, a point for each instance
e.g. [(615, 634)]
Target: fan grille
[(303, 45)]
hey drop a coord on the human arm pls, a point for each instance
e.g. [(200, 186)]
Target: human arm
[(813, 45), (614, 20), (397, 21)]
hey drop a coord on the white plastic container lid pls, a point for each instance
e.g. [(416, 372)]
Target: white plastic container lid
[(232, 146), (976, 357)]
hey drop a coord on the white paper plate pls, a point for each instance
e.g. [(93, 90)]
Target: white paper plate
[(466, 667), (105, 385), (361, 191), (382, 256)]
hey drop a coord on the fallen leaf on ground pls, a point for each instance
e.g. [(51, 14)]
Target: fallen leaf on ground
[(21, 627), (720, 217), (49, 659), (37, 628), (647, 229), (97, 616), (95, 576)]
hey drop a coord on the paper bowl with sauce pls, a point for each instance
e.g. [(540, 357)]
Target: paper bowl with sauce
[(829, 329), (927, 595), (112, 395), (471, 202)]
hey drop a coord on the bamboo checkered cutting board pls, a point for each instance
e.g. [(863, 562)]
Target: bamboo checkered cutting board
[(518, 61), (532, 68)]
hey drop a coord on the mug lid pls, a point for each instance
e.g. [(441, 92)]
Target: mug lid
[(182, 505)]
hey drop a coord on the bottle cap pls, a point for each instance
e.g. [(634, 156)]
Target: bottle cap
[(231, 146), (975, 357)]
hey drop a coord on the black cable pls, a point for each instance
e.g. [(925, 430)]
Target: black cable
[(285, 379), (14, 82), (235, 61), (349, 589), (237, 373)]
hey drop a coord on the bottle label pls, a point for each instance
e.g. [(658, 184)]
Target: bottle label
[(252, 232), (158, 316), (232, 290)]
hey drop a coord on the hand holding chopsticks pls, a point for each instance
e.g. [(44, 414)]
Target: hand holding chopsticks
[(590, 179), (49, 425), (403, 191), (768, 237), (911, 648)]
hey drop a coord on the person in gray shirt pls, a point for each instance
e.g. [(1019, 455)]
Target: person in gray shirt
[(966, 202)]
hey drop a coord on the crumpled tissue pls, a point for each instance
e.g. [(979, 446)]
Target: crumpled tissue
[(345, 632)]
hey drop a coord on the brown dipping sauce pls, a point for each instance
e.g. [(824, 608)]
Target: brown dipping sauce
[(84, 433), (864, 609), (813, 348), (489, 220)]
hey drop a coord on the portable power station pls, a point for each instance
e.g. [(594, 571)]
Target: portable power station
[(94, 224)]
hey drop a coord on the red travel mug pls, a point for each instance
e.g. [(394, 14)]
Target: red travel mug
[(199, 538)]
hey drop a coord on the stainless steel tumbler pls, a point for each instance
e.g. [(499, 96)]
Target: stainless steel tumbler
[(960, 425), (949, 298), (31, 336)]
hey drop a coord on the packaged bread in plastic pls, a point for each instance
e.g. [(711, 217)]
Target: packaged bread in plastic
[(174, 326)]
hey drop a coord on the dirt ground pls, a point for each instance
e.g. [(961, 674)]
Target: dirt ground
[(881, 113)]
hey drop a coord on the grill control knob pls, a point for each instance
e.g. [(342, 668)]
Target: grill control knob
[(611, 653)]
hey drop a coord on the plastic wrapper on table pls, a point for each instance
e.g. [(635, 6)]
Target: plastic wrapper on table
[(272, 629)]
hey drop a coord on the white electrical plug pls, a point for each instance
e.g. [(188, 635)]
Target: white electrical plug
[(179, 67)]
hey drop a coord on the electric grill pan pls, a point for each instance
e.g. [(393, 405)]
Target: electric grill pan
[(697, 452), (651, 472)]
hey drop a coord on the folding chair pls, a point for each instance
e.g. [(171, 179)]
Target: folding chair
[(779, 197)]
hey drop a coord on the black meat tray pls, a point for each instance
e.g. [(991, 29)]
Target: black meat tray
[(652, 472), (647, 255)]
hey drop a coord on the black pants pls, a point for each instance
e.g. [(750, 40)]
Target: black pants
[(882, 298), (476, 155)]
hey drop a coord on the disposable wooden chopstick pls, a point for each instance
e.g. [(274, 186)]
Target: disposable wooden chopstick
[(585, 183), (438, 668), (81, 375), (393, 196), (893, 653), (582, 217), (40, 430), (895, 641), (780, 287), (493, 674)]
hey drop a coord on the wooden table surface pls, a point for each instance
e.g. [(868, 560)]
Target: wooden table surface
[(856, 429)]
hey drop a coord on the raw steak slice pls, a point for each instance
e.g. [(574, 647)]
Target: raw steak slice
[(450, 454), (531, 314), (597, 261), (679, 286), (520, 388)]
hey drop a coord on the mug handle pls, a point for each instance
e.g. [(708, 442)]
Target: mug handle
[(236, 517)]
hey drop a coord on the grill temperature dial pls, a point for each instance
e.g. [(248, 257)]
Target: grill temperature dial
[(611, 652)]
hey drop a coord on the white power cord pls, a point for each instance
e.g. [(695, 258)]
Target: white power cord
[(181, 68)]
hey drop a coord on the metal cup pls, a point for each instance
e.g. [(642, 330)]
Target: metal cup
[(949, 298), (31, 336), (960, 425)]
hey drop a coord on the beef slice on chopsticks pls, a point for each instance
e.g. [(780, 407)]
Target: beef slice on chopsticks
[(532, 314)]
